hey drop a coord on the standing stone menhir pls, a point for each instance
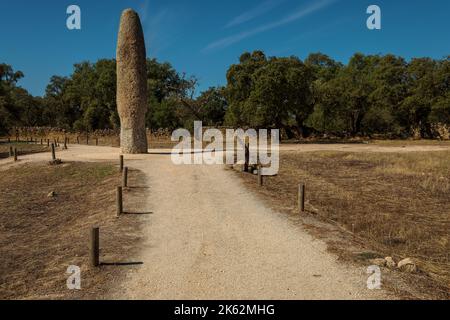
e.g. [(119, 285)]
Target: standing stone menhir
[(131, 84)]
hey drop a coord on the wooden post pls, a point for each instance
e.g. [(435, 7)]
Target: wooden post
[(41, 142), (53, 152), (95, 247), (11, 152), (121, 163), (125, 177), (48, 142), (15, 154), (247, 156), (87, 139), (65, 143), (301, 197), (96, 141), (119, 201), (260, 177), (9, 140), (78, 140)]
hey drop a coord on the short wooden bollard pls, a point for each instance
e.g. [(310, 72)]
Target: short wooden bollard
[(247, 156), (125, 177), (15, 154), (41, 142), (48, 142), (95, 247), (121, 164), (119, 202), (65, 143), (87, 140), (11, 152), (96, 141), (301, 197), (260, 177), (78, 140), (53, 152)]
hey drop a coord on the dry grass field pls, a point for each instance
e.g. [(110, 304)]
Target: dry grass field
[(395, 204), (41, 235)]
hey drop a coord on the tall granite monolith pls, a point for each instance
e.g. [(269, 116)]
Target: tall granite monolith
[(131, 84)]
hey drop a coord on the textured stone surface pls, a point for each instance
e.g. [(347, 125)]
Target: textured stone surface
[(131, 83)]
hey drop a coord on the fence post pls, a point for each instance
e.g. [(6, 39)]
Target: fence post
[(95, 247), (96, 141), (125, 177), (87, 139), (301, 197), (121, 163), (53, 152), (15, 154), (119, 202), (260, 177), (11, 152), (247, 156), (65, 143)]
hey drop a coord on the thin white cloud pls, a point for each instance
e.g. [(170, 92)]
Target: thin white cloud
[(225, 42), (154, 23), (254, 13)]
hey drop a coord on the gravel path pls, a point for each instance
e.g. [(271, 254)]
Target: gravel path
[(210, 238)]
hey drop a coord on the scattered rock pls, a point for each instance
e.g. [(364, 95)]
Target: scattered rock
[(407, 265), (378, 262), (390, 263)]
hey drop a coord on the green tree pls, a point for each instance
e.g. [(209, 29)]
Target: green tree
[(213, 106), (240, 83), (10, 113), (324, 117)]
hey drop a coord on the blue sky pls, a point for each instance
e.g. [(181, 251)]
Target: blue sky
[(204, 37)]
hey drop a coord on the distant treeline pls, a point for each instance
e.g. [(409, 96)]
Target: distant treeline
[(371, 95)]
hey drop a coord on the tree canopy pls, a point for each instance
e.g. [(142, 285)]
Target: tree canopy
[(371, 94)]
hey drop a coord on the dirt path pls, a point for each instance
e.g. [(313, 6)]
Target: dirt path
[(209, 238)]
